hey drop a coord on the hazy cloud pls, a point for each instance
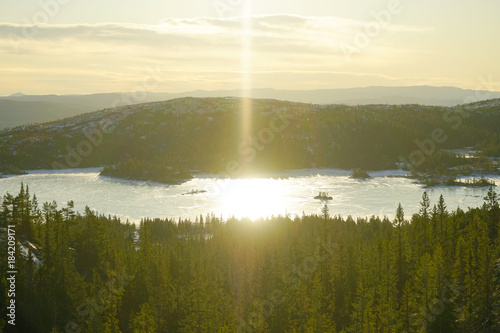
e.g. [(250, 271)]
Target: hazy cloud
[(195, 46)]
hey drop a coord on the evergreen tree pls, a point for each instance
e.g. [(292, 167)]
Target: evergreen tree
[(144, 321)]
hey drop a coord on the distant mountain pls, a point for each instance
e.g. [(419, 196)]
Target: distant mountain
[(19, 109), (37, 108), (92, 101), (424, 95), (15, 113), (17, 95)]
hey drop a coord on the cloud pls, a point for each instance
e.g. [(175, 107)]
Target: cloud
[(312, 33), (195, 46)]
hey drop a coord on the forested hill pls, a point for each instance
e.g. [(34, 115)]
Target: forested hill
[(436, 271), (206, 134)]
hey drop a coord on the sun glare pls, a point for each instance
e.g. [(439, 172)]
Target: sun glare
[(246, 70), (253, 198)]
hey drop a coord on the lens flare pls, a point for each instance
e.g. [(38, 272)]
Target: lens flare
[(246, 73)]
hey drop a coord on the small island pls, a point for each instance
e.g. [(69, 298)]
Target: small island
[(143, 170), (192, 192), (360, 174), (323, 196)]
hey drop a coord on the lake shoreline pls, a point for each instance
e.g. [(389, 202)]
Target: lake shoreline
[(289, 192), (284, 174)]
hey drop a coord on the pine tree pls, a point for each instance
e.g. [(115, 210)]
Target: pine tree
[(442, 214), (400, 254), (491, 205), (144, 321)]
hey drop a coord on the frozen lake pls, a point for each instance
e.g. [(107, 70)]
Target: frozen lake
[(290, 192)]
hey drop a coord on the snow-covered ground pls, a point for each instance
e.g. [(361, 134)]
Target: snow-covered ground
[(24, 247)]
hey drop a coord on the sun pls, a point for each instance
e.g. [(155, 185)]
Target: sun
[(253, 198)]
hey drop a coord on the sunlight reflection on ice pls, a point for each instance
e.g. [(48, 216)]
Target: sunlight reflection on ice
[(290, 192)]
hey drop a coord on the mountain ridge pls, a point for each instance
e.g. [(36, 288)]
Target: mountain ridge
[(75, 104)]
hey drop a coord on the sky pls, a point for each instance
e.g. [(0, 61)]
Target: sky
[(80, 47)]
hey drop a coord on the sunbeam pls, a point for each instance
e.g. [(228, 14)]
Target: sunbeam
[(246, 73)]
